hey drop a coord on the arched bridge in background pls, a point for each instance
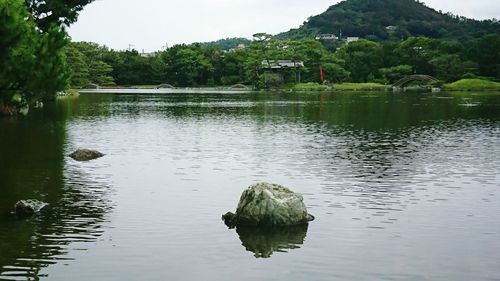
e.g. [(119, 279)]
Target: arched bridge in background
[(411, 78)]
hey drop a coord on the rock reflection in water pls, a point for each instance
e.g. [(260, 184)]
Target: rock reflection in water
[(264, 241)]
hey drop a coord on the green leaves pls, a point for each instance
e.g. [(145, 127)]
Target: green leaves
[(32, 62), (14, 46), (87, 64), (46, 13), (78, 66), (362, 59), (48, 71)]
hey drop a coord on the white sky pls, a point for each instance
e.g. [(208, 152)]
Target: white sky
[(150, 24)]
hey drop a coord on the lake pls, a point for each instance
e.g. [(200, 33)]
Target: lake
[(403, 187)]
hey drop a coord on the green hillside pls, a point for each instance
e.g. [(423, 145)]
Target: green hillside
[(228, 43), (391, 19)]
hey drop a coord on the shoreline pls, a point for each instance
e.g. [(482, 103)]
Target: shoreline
[(165, 91), (153, 91), (463, 85)]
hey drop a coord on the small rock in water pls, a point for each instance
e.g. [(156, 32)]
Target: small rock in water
[(266, 204), (85, 155), (27, 208)]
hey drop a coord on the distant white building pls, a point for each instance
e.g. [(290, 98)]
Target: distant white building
[(391, 29), (351, 39), (148, 55), (326, 37)]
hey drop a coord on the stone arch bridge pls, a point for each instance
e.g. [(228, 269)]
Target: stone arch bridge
[(411, 78)]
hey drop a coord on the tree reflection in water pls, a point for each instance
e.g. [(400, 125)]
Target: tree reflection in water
[(34, 166)]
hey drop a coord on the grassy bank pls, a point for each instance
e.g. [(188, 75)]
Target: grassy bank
[(341, 87), (472, 85), (360, 87), (309, 87)]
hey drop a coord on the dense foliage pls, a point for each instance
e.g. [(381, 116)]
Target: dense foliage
[(390, 20), (32, 40), (198, 65), (402, 37), (36, 60), (46, 13)]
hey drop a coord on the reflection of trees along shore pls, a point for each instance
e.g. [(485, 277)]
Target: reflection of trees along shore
[(264, 241), (385, 139), (379, 149), (77, 205)]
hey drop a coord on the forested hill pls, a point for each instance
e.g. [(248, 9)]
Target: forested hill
[(391, 19), (228, 43)]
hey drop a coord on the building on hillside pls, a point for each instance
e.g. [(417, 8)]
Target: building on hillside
[(148, 55), (239, 47), (391, 29), (351, 39), (330, 37), (280, 69)]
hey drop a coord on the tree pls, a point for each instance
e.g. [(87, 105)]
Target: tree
[(99, 71), (33, 61), (334, 72), (450, 67), (159, 69), (187, 66), (334, 69), (395, 73), (32, 40), (129, 67), (312, 53), (46, 13), (362, 58), (486, 53), (233, 67), (417, 52), (14, 49), (78, 67), (49, 73)]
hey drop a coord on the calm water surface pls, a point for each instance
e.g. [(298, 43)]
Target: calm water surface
[(403, 187)]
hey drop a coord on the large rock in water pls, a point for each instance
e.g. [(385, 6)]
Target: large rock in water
[(85, 155), (266, 204), (27, 208)]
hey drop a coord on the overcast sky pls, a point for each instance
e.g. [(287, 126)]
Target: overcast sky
[(151, 24)]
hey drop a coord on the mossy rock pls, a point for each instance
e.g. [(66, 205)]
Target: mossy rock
[(86, 155), (266, 204), (27, 208)]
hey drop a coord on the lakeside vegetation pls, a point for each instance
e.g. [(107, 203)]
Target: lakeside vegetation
[(473, 85), (33, 64), (310, 87), (360, 87), (38, 59), (363, 61)]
